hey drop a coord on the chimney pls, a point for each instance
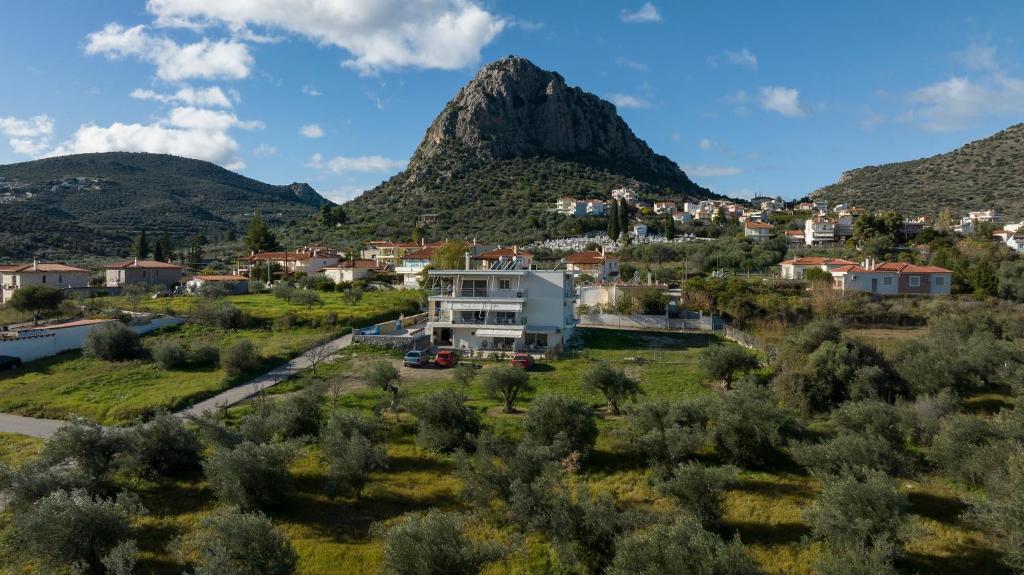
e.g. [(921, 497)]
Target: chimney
[(136, 261), (466, 254), (35, 264), (515, 250)]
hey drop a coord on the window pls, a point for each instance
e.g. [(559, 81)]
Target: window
[(505, 284), (915, 281), (44, 279), (887, 281), (506, 317), (939, 280)]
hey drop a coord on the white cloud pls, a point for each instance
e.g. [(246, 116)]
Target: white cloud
[(628, 101), (28, 137), (702, 171), (342, 164), (979, 57), (188, 96), (646, 13), (264, 151), (312, 131), (785, 101), (631, 64), (379, 34), (952, 104), (742, 58), (705, 144), (174, 62), (311, 91), (189, 132)]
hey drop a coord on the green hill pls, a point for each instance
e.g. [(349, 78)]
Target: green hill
[(82, 205), (984, 174)]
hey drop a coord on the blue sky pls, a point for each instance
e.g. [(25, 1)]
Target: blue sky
[(774, 98)]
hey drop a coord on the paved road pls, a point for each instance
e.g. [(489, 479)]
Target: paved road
[(44, 428)]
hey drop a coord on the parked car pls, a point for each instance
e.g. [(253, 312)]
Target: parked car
[(8, 362), (446, 358), (523, 360), (415, 358)]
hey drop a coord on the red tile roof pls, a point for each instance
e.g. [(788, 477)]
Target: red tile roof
[(891, 267), (794, 232), (39, 267), (817, 261), (280, 256), (750, 224), (150, 264), (356, 264), (421, 254), (591, 257), (220, 278)]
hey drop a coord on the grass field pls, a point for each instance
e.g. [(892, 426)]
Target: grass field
[(15, 449)]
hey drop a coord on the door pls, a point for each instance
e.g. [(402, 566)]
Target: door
[(874, 284)]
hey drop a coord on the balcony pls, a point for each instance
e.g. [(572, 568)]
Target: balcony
[(478, 321), (478, 293)]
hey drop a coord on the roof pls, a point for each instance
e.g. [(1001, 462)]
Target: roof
[(794, 232), (220, 278), (148, 264), (280, 256), (502, 253), (750, 224), (421, 254), (893, 267), (818, 261), (356, 264), (590, 257), (40, 267)]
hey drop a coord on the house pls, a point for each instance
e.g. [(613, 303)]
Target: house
[(682, 217), (570, 206), (772, 205), (820, 205), (1014, 240), (596, 264), (232, 284), (913, 226), (795, 237), (794, 269), (390, 253), (664, 207), (412, 265), (984, 216), (352, 270), (757, 231), (14, 277), (500, 310), (625, 195), (843, 227), (892, 278), (595, 207), (819, 231), (500, 258), (306, 261), (805, 207), (150, 273), (640, 231)]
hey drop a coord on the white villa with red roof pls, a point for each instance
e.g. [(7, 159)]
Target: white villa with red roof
[(892, 278), (597, 264), (143, 272), (757, 231), (308, 261), (511, 258), (62, 276), (794, 269), (352, 270)]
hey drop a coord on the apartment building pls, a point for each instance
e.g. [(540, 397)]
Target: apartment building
[(819, 231), (757, 231)]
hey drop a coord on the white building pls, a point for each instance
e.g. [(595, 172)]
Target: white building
[(794, 269), (819, 231), (595, 207), (625, 194), (352, 270), (308, 262), (664, 207), (232, 284), (61, 276), (596, 264), (144, 273), (892, 278), (757, 231), (500, 310)]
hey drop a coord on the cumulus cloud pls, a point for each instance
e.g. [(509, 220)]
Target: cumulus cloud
[(742, 58), (646, 13), (30, 136), (628, 101), (702, 171), (631, 64), (205, 59), (312, 131), (979, 56), (342, 164), (189, 96), (311, 91), (264, 151), (186, 131), (952, 104), (785, 101), (705, 144), (379, 34)]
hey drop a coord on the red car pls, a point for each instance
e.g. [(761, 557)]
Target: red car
[(523, 360), (446, 358)]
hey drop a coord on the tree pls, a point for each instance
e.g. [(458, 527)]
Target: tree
[(683, 547), (613, 383), (158, 251), (417, 235), (999, 513), (669, 225), (318, 354), (449, 256), (240, 357), (161, 447), (233, 542), (259, 238), (726, 361), (251, 475), (817, 275), (37, 299), (623, 210), (112, 341), (383, 375), (444, 422), (1011, 280), (166, 244), (700, 490), (432, 543), (170, 354), (507, 383), (73, 530), (463, 375), (353, 448), (563, 422), (194, 252), (613, 220), (667, 433), (140, 247), (854, 454), (85, 445), (747, 426)]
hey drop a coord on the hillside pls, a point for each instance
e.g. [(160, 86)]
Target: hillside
[(983, 174), (509, 143), (92, 204)]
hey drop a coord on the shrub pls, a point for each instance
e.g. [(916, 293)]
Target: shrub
[(613, 383), (507, 383), (234, 542), (497, 468), (284, 291), (432, 543), (563, 421), (73, 530), (926, 414), (815, 333), (222, 314), (999, 514), (444, 422), (250, 476), (726, 361), (851, 513), (667, 433), (680, 548), (307, 298), (700, 490), (203, 354), (169, 354), (967, 449), (747, 428), (353, 448), (858, 560), (240, 357), (298, 415), (37, 479), (852, 453), (873, 417), (162, 447), (112, 341), (87, 445)]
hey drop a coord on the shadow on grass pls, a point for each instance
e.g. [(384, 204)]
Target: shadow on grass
[(967, 561), (772, 488), (603, 462), (764, 534), (541, 368), (945, 510)]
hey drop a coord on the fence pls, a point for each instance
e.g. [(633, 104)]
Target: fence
[(703, 323)]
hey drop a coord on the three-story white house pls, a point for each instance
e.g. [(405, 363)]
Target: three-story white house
[(501, 309)]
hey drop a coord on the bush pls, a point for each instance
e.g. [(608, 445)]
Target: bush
[(700, 490), (37, 479), (967, 449), (926, 414), (680, 548), (999, 513), (562, 421), (432, 544), (506, 383), (855, 454), (850, 513), (444, 422), (613, 383), (726, 361), (88, 446), (307, 298), (747, 428), (874, 417), (250, 476), (498, 468), (222, 314), (162, 447), (232, 542), (353, 448), (203, 354), (667, 433), (73, 530), (284, 291), (169, 354), (858, 560), (240, 357), (112, 341)]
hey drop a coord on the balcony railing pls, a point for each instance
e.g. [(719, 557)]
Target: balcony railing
[(490, 320), (478, 293)]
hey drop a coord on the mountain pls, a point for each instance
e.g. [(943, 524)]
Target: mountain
[(510, 142), (983, 174), (70, 207)]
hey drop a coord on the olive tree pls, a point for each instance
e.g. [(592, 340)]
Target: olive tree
[(507, 383), (682, 547), (747, 427), (112, 341), (251, 475), (432, 543), (1001, 512), (383, 375), (725, 361), (233, 542), (444, 422), (700, 489), (36, 299), (851, 512), (613, 383), (556, 420), (667, 433)]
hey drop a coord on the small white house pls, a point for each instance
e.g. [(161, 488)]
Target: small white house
[(757, 231), (352, 270), (232, 284)]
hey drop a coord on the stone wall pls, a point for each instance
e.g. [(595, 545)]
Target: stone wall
[(399, 342)]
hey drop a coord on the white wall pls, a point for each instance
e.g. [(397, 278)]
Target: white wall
[(39, 343)]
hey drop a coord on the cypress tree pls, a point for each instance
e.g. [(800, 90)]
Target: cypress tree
[(158, 251), (624, 217), (670, 226), (141, 246), (259, 238), (613, 221)]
